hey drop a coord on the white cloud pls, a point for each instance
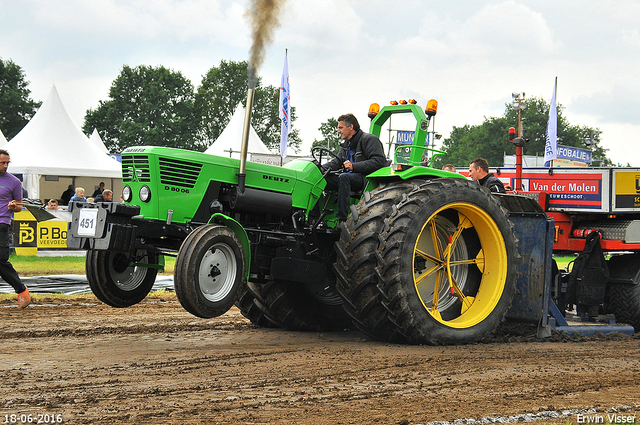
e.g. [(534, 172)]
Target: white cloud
[(496, 31), (321, 26), (617, 105), (145, 19), (631, 37)]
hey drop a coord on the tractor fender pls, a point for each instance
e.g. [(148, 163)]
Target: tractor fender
[(237, 228), (412, 172)]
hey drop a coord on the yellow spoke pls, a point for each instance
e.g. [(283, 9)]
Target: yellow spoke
[(428, 273), (464, 224), (434, 237), (463, 262), (443, 263), (428, 256), (466, 301), (436, 293)]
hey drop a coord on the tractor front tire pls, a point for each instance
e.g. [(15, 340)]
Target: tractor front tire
[(210, 271), (115, 280)]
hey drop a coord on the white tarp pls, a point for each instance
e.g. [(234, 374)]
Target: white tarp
[(3, 140), (52, 144), (229, 142)]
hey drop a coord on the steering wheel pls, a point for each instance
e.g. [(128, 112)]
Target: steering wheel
[(320, 151)]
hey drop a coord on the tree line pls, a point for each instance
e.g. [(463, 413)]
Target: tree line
[(158, 106), (490, 139)]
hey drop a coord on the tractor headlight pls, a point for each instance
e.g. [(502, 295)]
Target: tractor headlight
[(127, 194), (145, 193)]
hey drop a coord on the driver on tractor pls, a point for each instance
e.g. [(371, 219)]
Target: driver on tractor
[(361, 154)]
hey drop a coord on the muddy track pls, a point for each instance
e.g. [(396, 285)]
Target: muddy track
[(154, 363)]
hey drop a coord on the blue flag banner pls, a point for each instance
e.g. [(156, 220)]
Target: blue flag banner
[(551, 147), (574, 154), (405, 137), (285, 108)]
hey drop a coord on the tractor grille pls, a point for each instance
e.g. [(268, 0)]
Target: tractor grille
[(135, 168), (179, 173)]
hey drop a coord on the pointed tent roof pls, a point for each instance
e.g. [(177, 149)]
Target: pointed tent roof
[(3, 140), (51, 143), (231, 138), (97, 140)]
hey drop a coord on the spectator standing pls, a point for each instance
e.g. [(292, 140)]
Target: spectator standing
[(98, 191), (106, 196), (10, 201), (79, 196), (479, 171), (52, 204), (450, 168), (66, 195)]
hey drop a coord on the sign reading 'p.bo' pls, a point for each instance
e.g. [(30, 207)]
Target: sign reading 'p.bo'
[(29, 234), (52, 234)]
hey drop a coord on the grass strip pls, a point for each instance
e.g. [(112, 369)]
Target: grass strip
[(46, 266)]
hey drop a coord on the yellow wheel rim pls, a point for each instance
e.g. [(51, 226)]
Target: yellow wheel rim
[(442, 266)]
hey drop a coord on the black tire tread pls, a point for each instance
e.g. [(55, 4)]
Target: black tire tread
[(251, 309), (185, 273), (624, 303), (103, 287), (355, 268), (292, 307)]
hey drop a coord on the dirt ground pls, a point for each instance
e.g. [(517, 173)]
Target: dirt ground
[(79, 361)]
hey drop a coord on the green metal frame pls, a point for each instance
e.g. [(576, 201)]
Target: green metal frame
[(414, 167)]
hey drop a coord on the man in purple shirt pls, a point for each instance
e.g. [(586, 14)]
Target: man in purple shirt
[(10, 201)]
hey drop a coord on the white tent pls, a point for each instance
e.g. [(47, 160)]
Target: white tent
[(52, 144), (3, 140), (229, 142), (97, 140)]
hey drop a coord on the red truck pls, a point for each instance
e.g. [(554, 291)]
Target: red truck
[(584, 199)]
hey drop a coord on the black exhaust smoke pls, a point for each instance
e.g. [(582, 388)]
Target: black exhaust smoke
[(263, 15)]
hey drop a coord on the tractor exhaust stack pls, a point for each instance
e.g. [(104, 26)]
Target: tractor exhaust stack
[(245, 141)]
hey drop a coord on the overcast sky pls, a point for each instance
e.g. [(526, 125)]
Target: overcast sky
[(344, 55)]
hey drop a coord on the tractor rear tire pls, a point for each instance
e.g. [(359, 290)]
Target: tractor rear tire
[(355, 267), (291, 306), (115, 281), (440, 266), (624, 303), (448, 263), (250, 307), (210, 271)]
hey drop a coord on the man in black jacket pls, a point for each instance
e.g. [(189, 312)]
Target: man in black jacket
[(66, 195), (361, 154), (479, 171), (105, 196)]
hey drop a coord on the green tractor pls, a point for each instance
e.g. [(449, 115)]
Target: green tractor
[(426, 256)]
